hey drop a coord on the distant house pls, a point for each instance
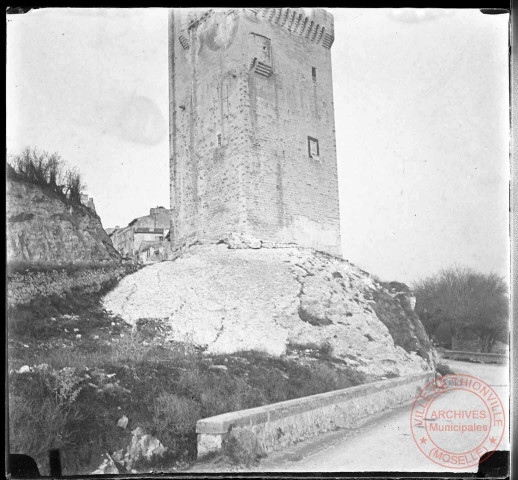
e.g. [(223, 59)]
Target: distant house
[(150, 251), (144, 236)]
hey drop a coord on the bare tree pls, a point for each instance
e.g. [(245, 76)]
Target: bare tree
[(470, 303), (48, 171), (74, 184)]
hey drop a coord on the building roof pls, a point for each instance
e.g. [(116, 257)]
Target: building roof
[(148, 230)]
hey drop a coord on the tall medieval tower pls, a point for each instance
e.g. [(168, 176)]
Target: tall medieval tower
[(252, 130)]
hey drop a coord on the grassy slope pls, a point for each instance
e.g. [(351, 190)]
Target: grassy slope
[(89, 369)]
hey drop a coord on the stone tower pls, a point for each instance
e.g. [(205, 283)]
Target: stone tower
[(252, 130)]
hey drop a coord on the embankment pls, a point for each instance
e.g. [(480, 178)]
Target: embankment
[(24, 286), (279, 425)]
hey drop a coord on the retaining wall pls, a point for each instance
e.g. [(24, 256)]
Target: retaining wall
[(478, 357), (22, 287), (279, 425)]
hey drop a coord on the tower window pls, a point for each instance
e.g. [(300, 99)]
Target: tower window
[(314, 73), (219, 139), (313, 149), (260, 49)]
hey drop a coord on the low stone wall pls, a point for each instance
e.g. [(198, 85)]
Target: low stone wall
[(279, 425), (22, 287), (478, 357)]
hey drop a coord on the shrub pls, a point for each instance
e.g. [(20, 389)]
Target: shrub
[(174, 413), (64, 384), (174, 421), (151, 328), (443, 369), (127, 348), (326, 349), (37, 425), (241, 447)]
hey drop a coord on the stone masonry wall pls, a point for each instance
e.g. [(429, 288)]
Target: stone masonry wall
[(292, 197), (22, 287), (283, 424), (206, 197), (239, 139)]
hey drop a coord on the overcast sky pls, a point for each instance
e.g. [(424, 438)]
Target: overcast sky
[(421, 108)]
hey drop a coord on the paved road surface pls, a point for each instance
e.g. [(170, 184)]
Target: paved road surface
[(385, 443)]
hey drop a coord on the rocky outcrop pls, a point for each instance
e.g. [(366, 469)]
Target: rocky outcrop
[(394, 301), (43, 228), (142, 447), (228, 297)]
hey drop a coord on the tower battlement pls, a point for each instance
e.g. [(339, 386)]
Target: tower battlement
[(317, 25), (252, 132)]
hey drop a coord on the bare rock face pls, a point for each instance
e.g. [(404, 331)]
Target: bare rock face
[(230, 299), (107, 467), (394, 301), (41, 227)]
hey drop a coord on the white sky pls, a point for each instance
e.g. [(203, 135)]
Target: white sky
[(421, 108)]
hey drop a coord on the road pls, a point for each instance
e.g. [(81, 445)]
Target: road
[(385, 443)]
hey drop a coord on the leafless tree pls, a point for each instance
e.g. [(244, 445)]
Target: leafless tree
[(471, 303)]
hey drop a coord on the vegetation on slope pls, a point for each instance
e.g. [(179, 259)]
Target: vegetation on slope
[(75, 371), (49, 171), (46, 221)]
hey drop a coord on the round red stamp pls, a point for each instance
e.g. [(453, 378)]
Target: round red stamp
[(456, 419)]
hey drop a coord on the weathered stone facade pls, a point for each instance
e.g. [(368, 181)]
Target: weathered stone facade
[(252, 131)]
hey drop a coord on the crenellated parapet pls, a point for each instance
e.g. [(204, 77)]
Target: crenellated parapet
[(316, 25)]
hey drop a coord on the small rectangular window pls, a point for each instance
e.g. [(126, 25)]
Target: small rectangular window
[(314, 73), (313, 148), (262, 48), (219, 139)]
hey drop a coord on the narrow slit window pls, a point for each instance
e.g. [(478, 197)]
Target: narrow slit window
[(219, 139), (313, 148), (314, 73)]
